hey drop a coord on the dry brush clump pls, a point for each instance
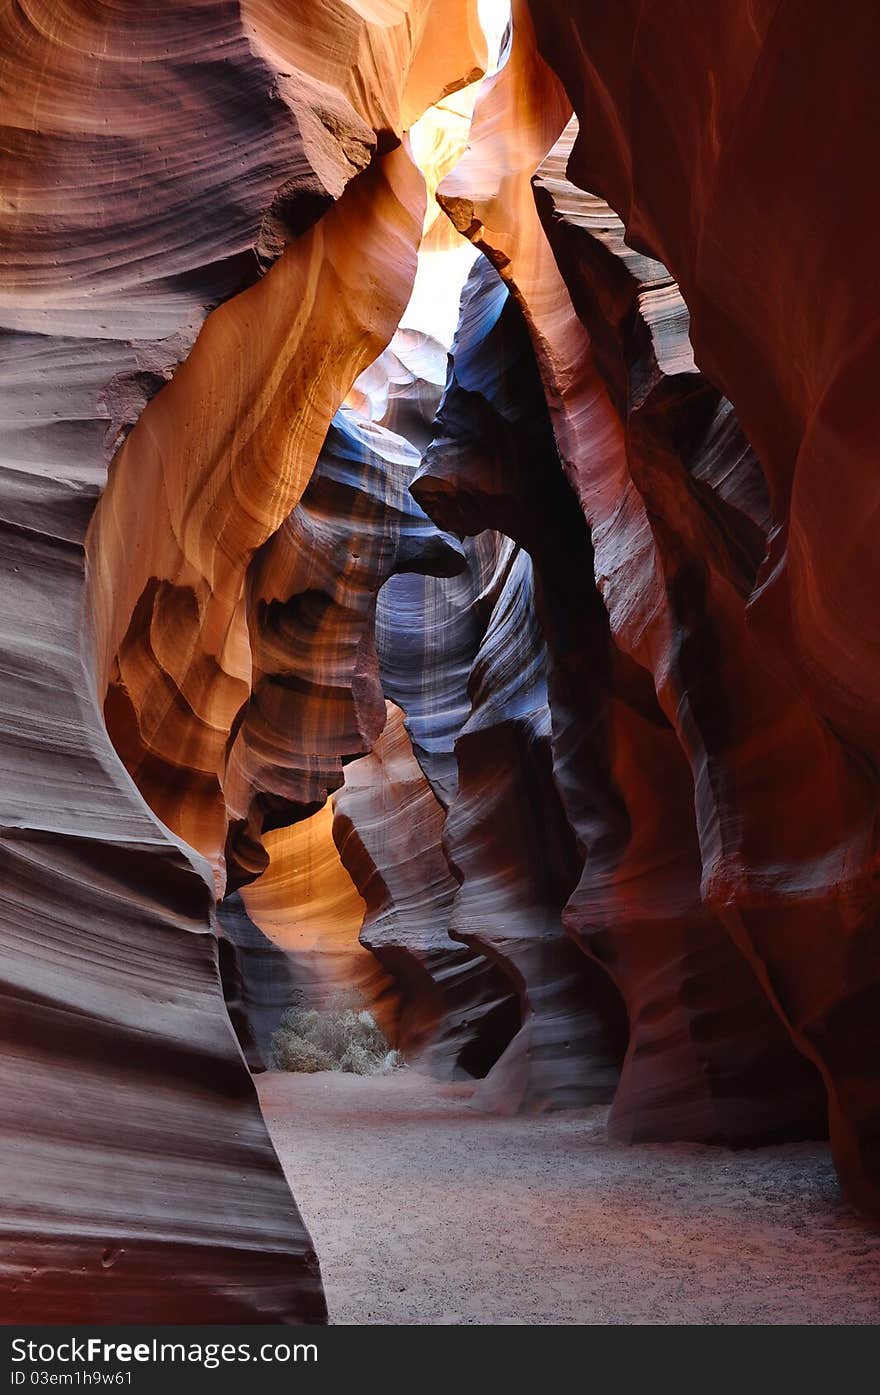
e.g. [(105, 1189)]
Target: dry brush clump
[(341, 1037)]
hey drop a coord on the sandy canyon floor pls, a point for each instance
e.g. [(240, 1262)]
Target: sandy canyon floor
[(426, 1211)]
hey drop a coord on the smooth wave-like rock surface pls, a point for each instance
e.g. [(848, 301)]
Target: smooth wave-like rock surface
[(307, 905), (458, 1011), (158, 160), (506, 693), (510, 844), (259, 981), (428, 633), (224, 454), (632, 895), (493, 463), (316, 699), (783, 327), (702, 491), (491, 198)]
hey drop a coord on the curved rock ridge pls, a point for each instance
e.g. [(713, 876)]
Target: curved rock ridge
[(307, 905), (493, 462), (787, 332), (316, 699), (703, 494), (527, 694), (458, 1012), (156, 158), (135, 1143), (428, 633), (637, 908), (224, 454), (512, 849), (259, 111), (259, 981), (138, 1145), (403, 388)]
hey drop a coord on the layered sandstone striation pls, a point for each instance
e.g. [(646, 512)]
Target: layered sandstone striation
[(306, 904), (632, 898), (258, 981), (511, 847), (783, 727), (516, 695), (158, 161), (493, 464), (316, 698), (226, 452), (458, 1012)]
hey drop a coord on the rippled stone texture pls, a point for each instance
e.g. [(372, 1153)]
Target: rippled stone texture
[(316, 698), (157, 158), (785, 326), (428, 633), (703, 493), (493, 462), (306, 904), (509, 842), (258, 980), (225, 453), (458, 1012), (210, 233), (707, 1057)]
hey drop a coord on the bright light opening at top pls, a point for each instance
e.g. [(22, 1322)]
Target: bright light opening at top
[(438, 140)]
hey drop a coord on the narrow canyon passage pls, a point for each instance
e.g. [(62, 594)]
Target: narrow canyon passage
[(439, 624), (424, 1210)]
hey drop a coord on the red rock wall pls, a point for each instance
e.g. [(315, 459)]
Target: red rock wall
[(493, 462), (707, 1058), (316, 698), (730, 147), (640, 733), (700, 545), (157, 161), (457, 1011)]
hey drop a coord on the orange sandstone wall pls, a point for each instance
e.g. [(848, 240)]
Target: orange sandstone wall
[(209, 225)]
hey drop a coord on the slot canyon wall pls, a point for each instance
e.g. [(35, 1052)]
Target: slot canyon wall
[(210, 227), (524, 691)]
